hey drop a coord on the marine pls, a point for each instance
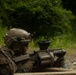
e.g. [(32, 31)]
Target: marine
[(16, 44)]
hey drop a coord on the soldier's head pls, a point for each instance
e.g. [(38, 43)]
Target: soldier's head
[(17, 40)]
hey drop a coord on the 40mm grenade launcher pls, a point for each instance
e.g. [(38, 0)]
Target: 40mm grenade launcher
[(46, 57)]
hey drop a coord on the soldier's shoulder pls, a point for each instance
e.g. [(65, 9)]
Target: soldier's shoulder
[(3, 57), (4, 48)]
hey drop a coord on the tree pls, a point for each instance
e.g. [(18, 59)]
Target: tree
[(45, 17), (70, 5)]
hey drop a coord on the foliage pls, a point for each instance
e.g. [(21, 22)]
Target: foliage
[(66, 41), (44, 17), (70, 5), (3, 31)]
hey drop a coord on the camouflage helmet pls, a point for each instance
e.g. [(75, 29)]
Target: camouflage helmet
[(17, 35)]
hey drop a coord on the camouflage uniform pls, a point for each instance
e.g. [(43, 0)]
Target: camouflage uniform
[(17, 42), (7, 66), (24, 67)]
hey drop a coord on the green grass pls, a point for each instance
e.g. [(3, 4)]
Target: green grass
[(66, 42), (3, 31)]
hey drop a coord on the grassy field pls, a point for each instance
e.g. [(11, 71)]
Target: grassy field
[(66, 42)]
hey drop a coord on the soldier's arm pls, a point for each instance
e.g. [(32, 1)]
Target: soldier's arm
[(25, 68), (5, 70), (7, 66)]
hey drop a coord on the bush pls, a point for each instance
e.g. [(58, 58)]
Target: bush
[(45, 17)]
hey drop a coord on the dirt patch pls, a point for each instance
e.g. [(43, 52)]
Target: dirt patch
[(70, 61)]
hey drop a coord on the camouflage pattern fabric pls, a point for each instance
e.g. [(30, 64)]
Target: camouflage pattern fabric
[(12, 67), (24, 66), (7, 66)]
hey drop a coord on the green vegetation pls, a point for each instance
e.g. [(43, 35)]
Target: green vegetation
[(44, 17), (66, 41), (3, 31)]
